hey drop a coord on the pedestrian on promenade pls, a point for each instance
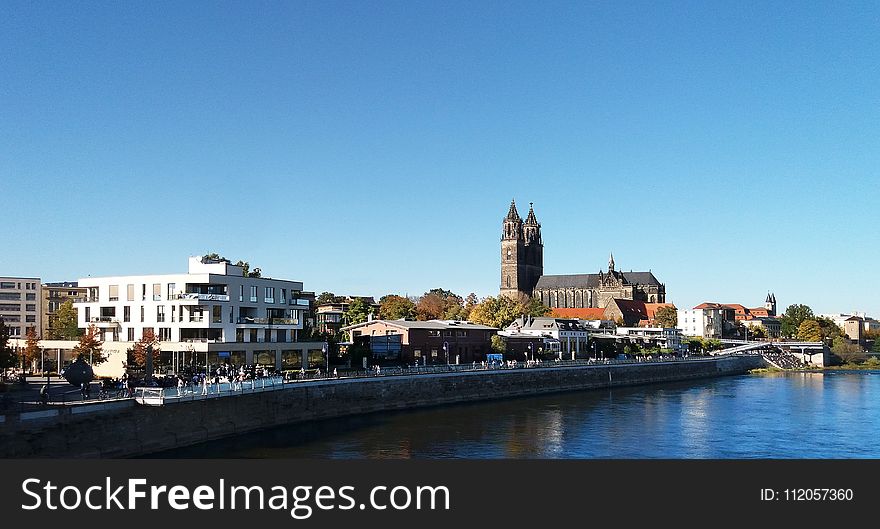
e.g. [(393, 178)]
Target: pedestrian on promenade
[(335, 374), (44, 394), (205, 385), (179, 386)]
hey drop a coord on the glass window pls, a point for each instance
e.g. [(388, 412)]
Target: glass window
[(129, 292), (114, 292), (126, 313), (131, 334), (160, 313), (157, 291)]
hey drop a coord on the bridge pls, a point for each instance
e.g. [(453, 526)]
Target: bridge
[(783, 355)]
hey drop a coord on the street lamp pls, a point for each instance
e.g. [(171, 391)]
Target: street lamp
[(446, 352), (326, 349), (530, 350)]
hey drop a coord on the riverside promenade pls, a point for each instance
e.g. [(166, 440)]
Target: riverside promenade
[(126, 428)]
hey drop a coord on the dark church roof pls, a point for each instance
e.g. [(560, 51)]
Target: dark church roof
[(592, 280)]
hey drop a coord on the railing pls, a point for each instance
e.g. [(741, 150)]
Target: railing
[(104, 319), (171, 395), (202, 297), (268, 321)]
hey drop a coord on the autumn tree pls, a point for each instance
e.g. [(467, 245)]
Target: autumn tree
[(809, 331), (394, 307), (666, 317), (499, 312), (430, 307), (137, 354), (90, 346), (63, 325), (32, 348)]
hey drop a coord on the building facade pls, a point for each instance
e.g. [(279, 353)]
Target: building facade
[(212, 314), (522, 272), (567, 336), (424, 342), (20, 299), (705, 322), (55, 295)]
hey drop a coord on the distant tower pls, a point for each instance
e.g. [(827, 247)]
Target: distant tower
[(522, 253), (770, 304), (611, 263)]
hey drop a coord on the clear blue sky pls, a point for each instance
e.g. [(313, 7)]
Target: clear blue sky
[(374, 147)]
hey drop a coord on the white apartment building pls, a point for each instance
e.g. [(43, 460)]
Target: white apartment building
[(706, 323), (20, 299), (571, 334), (210, 314)]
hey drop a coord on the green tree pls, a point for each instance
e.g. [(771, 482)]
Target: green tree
[(90, 347), (849, 352), (830, 330), (32, 348), (756, 332), (327, 297), (498, 344), (666, 317), (793, 317), (809, 331), (63, 324), (394, 307), (358, 311), (8, 358), (245, 266)]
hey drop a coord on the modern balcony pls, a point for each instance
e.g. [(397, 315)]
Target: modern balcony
[(187, 296), (104, 322), (268, 321)]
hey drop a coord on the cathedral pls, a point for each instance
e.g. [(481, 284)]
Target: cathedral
[(522, 272)]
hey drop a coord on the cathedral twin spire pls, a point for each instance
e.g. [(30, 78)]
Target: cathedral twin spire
[(513, 225)]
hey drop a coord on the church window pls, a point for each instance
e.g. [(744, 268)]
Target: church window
[(508, 281)]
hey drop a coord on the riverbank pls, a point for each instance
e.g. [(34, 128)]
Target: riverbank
[(126, 429)]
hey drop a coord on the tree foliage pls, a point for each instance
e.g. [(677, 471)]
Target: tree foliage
[(32, 347), (499, 312), (666, 317), (792, 319), (809, 331), (358, 311), (137, 354), (246, 266), (498, 344), (394, 307), (90, 347), (8, 357), (846, 350), (328, 297), (64, 325)]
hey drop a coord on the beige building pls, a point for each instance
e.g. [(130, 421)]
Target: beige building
[(20, 299), (55, 295)]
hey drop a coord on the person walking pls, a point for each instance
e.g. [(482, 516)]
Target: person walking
[(205, 385)]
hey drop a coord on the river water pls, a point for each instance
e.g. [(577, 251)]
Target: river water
[(774, 415)]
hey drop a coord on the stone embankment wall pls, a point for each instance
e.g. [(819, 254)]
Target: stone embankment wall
[(125, 429)]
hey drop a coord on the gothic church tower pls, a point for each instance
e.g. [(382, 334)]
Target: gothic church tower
[(522, 253)]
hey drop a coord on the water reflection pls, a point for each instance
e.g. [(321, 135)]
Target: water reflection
[(788, 415)]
